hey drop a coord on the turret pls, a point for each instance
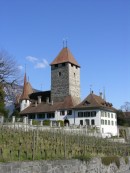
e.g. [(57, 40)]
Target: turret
[(24, 99)]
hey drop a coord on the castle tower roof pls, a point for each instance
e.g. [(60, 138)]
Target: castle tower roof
[(27, 89), (65, 56)]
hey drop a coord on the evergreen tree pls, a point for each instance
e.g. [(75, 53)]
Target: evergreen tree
[(3, 112)]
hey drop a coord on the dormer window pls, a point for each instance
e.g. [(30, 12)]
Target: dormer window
[(86, 103)]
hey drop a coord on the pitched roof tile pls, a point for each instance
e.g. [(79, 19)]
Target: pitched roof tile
[(94, 101), (27, 89), (65, 56)]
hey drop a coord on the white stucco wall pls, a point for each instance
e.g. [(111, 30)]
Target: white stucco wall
[(109, 118), (24, 104)]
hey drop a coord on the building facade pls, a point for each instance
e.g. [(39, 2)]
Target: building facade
[(63, 101)]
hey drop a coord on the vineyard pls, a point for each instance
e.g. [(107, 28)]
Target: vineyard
[(18, 145)]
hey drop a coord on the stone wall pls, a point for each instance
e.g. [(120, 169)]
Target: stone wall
[(65, 80), (64, 166), (59, 82)]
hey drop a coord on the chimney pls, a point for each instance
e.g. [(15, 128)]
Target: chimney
[(47, 100), (100, 94), (35, 103), (52, 102), (39, 99)]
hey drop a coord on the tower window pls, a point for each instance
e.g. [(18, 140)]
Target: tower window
[(74, 74), (63, 64), (56, 65), (59, 73)]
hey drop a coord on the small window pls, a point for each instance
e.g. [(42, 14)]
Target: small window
[(81, 122), (87, 122), (63, 64), (32, 116), (105, 122), (72, 65), (86, 114), (74, 74), (108, 115), (92, 122), (108, 122), (59, 73), (56, 65), (69, 112), (62, 113), (50, 115), (102, 114), (93, 114), (112, 123), (41, 116), (80, 114), (111, 115), (102, 122)]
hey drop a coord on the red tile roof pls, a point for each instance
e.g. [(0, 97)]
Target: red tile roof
[(93, 101), (65, 56), (27, 89), (68, 103)]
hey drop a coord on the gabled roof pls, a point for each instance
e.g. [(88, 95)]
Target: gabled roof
[(93, 101), (27, 89), (68, 103), (65, 56)]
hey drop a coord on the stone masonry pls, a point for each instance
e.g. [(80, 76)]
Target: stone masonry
[(64, 166), (65, 80)]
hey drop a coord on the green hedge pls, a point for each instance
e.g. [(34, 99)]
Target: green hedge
[(111, 159)]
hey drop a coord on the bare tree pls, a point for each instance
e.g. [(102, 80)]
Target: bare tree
[(9, 73), (126, 107)]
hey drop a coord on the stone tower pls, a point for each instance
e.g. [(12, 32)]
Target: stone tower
[(65, 77)]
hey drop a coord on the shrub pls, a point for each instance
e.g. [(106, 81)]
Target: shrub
[(126, 160), (35, 122), (46, 122), (61, 123), (111, 159)]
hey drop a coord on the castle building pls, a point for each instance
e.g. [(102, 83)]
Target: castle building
[(63, 101)]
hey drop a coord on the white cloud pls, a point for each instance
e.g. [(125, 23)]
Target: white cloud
[(20, 67), (42, 64), (32, 59), (37, 62)]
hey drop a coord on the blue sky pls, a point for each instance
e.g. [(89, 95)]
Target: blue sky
[(98, 34)]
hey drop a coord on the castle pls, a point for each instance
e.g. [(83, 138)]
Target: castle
[(63, 102)]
